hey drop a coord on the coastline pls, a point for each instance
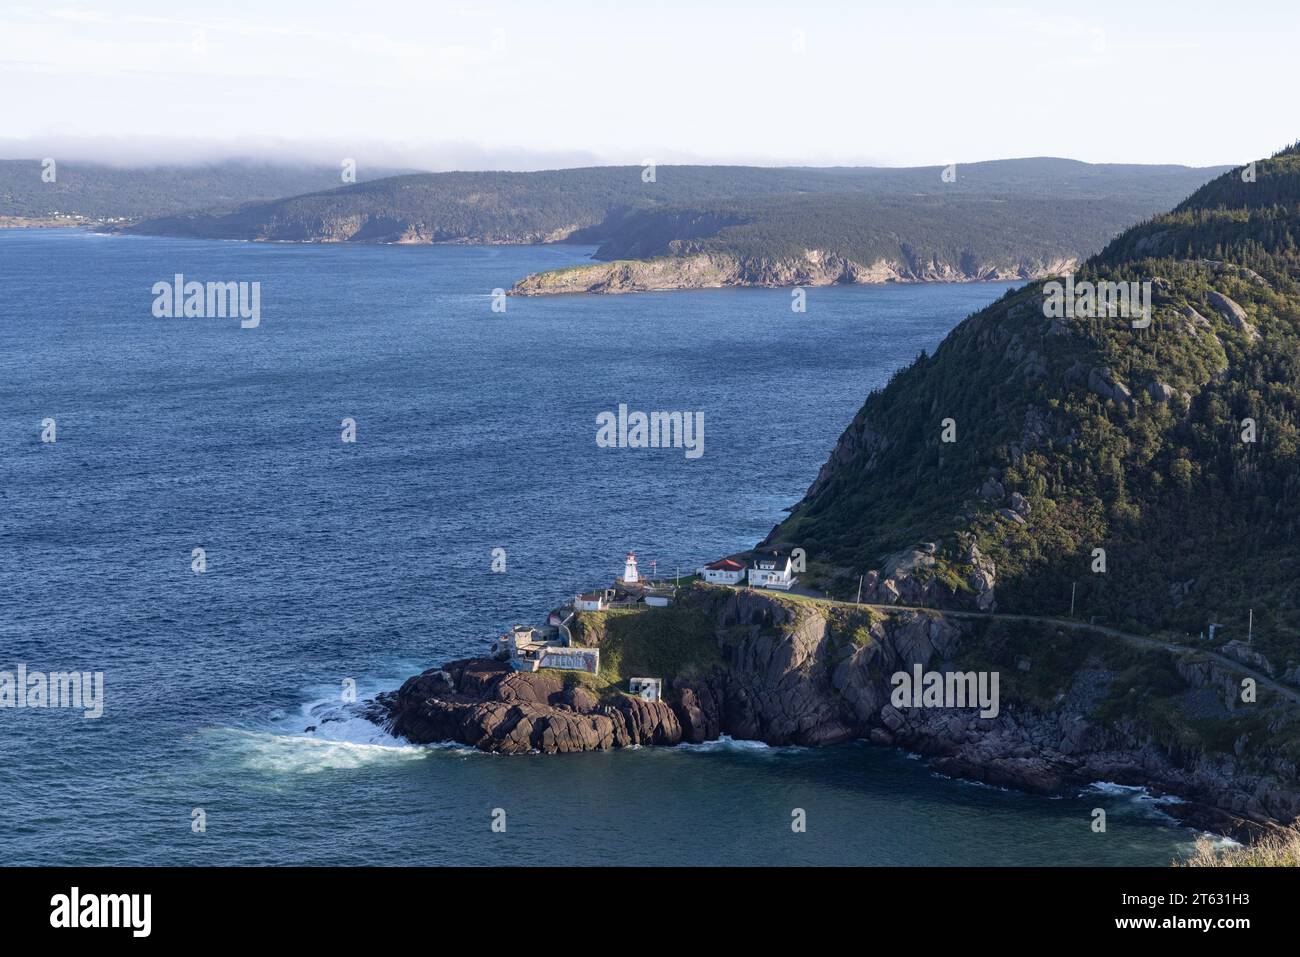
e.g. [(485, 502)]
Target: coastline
[(697, 271), (792, 674), (1181, 809), (812, 268)]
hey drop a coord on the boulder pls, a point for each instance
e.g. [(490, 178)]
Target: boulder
[(1015, 518), (1233, 313), (991, 490), (982, 577), (1160, 391), (1194, 324), (1107, 386)]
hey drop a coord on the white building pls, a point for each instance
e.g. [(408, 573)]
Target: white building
[(590, 601), (630, 576), (658, 597), (647, 689), (724, 572), (514, 641), (771, 569)]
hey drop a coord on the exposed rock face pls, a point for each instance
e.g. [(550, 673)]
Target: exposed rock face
[(488, 705), (858, 443), (906, 578), (1104, 383), (792, 674), (1160, 391), (991, 490), (1233, 313), (1196, 323), (1247, 655), (808, 687), (982, 577), (813, 268)]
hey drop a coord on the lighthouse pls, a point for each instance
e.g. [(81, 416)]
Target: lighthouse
[(629, 569)]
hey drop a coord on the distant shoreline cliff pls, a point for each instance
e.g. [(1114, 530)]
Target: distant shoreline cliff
[(694, 227), (719, 270)]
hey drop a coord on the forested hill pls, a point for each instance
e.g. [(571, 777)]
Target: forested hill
[(631, 211), (97, 192), (1155, 471)]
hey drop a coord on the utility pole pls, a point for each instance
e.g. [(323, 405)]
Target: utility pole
[(860, 578), (1073, 586)]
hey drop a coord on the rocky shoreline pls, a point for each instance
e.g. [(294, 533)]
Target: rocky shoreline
[(791, 675), (488, 705), (720, 270)]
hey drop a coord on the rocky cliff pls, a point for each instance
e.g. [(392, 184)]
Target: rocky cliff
[(488, 705), (813, 267), (795, 672)]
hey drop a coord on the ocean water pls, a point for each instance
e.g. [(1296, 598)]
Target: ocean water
[(330, 562)]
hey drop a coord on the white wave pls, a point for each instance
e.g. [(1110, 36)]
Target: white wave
[(302, 754), (1136, 791), (742, 746), (970, 782), (1138, 797), (1109, 787), (1219, 841), (325, 733)]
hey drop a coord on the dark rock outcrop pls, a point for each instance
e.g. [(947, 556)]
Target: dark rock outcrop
[(811, 675), (488, 705), (1233, 314)]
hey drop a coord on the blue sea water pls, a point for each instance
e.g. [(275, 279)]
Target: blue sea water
[(370, 561)]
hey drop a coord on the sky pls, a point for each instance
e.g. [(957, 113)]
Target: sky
[(483, 85)]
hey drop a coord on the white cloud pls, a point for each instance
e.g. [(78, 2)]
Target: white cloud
[(916, 83)]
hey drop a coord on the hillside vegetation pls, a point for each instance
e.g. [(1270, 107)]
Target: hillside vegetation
[(757, 220), (1279, 848), (1076, 434), (96, 191), (647, 641)]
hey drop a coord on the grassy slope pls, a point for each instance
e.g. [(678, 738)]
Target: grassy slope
[(672, 642), (1277, 849)]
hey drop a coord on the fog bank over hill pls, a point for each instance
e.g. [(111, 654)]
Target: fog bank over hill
[(136, 152), (437, 155)]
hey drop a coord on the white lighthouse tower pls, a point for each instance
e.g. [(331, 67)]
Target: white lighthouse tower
[(629, 569)]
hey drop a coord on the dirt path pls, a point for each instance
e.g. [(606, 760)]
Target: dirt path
[(1233, 664), (1261, 679)]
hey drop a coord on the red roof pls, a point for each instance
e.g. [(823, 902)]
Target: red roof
[(726, 565)]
